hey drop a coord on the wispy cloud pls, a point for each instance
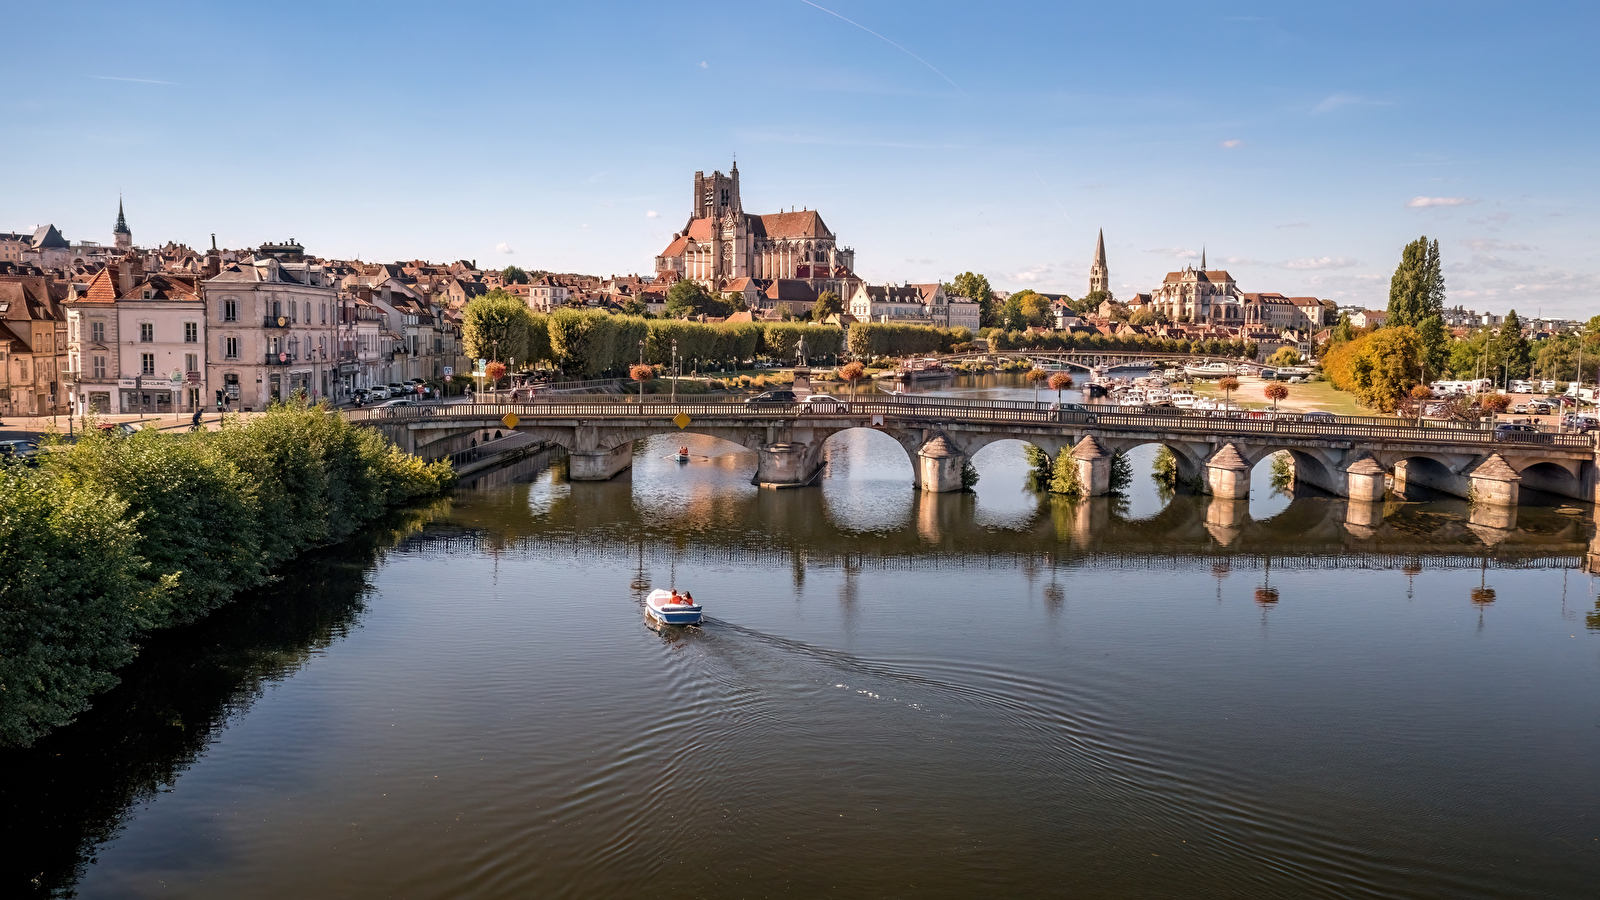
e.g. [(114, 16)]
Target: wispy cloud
[(503, 247), (1426, 202), (1489, 245), (1232, 143), (1336, 101), (139, 80), (1241, 261), (704, 64), (1032, 274), (885, 40), (1174, 252), (651, 214), (1321, 262)]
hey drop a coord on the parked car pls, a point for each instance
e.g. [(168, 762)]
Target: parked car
[(1515, 431), (394, 403), (377, 393), (1317, 415), (772, 398), (121, 429), (1540, 408), (825, 403), (23, 452), (1520, 409)]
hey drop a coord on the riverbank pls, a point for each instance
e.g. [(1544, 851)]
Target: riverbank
[(114, 536)]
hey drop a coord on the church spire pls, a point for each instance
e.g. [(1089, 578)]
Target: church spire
[(1100, 249), (121, 236), (122, 221), (1099, 272), (1202, 257)]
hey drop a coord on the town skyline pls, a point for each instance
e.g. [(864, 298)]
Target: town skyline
[(931, 158)]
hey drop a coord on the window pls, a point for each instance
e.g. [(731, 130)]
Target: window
[(99, 367), (97, 332), (147, 332), (230, 310), (294, 348), (230, 348), (191, 332), (294, 311), (147, 363), (324, 312), (191, 362)]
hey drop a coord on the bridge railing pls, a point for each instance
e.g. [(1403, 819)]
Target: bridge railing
[(949, 409)]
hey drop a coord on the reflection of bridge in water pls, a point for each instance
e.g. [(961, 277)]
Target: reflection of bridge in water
[(798, 530)]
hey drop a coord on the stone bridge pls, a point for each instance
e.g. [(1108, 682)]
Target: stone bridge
[(1352, 457)]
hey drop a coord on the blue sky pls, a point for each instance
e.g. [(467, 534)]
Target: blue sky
[(1301, 144)]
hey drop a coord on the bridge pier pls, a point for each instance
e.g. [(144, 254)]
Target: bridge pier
[(599, 465), (787, 464), (1228, 475), (1094, 466), (1364, 482), (939, 466), (1225, 517), (1494, 483), (1363, 518)]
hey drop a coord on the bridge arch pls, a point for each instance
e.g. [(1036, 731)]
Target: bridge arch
[(1429, 471), (857, 449), (1553, 477)]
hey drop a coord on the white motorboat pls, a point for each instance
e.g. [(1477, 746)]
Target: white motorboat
[(1131, 397), (1211, 370), (1184, 399), (659, 606)]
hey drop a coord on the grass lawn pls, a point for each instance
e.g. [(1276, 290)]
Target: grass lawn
[(1315, 395)]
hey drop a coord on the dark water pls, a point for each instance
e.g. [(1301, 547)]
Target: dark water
[(897, 695)]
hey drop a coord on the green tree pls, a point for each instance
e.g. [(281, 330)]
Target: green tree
[(1511, 347), (1285, 356), (1416, 300), (1344, 331), (1065, 478), (633, 306), (496, 326), (513, 275), (828, 304), (1386, 367), (975, 287), (686, 299)]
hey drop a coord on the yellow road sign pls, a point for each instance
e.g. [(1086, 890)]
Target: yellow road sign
[(511, 420), (681, 420)]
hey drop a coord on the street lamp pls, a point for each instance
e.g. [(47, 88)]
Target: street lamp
[(674, 370)]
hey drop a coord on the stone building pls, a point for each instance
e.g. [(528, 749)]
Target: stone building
[(1099, 272), (722, 243), (136, 342), (271, 322)]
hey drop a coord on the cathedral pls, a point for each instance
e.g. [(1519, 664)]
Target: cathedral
[(722, 244)]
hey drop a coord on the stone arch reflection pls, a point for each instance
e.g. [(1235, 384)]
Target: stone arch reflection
[(867, 481), (708, 485)]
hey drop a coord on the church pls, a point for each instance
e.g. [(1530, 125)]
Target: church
[(724, 248)]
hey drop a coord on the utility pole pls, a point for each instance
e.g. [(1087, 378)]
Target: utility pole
[(674, 371)]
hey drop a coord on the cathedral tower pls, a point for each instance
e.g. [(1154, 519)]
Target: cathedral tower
[(120, 235), (1099, 273)]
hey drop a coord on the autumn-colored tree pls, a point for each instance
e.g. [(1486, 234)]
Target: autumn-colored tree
[(1037, 376), (641, 373), (1494, 403), (1228, 385), (853, 372), (1276, 391), (496, 370), (1059, 382), (1378, 368)]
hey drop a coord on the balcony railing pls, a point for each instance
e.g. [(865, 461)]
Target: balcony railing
[(278, 359), (275, 322)]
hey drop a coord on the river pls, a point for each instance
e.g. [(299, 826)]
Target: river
[(981, 694)]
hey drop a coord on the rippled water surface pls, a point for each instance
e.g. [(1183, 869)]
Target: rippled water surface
[(903, 695)]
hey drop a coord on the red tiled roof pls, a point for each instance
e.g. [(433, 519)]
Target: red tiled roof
[(805, 224)]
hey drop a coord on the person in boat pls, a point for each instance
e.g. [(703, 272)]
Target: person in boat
[(688, 598)]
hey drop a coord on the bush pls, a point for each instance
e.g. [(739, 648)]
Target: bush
[(117, 535)]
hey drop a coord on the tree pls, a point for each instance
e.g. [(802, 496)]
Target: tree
[(687, 299), (1416, 300), (1276, 391), (1343, 332), (976, 288), (496, 370), (641, 373), (1285, 356), (1228, 384), (1379, 368), (1059, 382), (853, 372), (1511, 347), (828, 304), (513, 275), (1494, 403), (496, 326), (1065, 478), (1035, 376), (633, 306)]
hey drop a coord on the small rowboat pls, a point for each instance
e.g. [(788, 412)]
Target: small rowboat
[(659, 607), (683, 454)]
